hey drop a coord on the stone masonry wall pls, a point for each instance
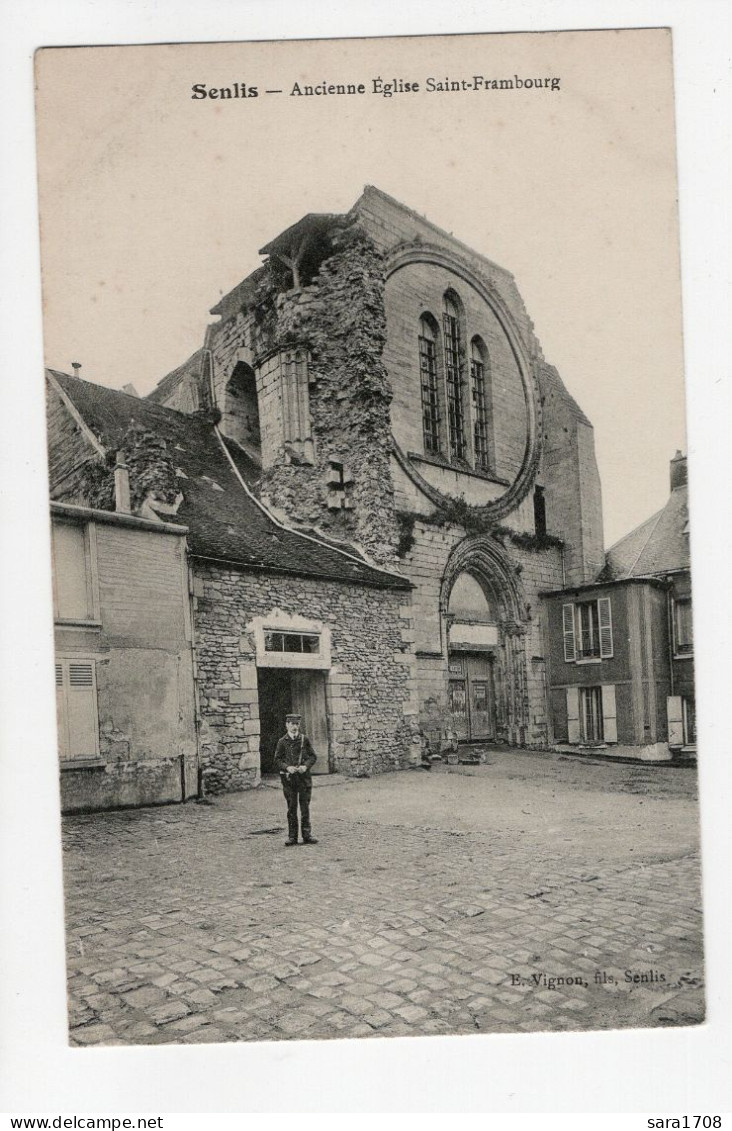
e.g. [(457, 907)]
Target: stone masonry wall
[(339, 319), (523, 713), (370, 688)]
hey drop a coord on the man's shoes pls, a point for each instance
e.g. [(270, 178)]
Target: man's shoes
[(290, 841), (309, 840)]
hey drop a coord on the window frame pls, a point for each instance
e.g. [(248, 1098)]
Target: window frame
[(480, 385), (572, 631), (591, 696), (92, 617), (452, 337), (429, 384), (682, 653)]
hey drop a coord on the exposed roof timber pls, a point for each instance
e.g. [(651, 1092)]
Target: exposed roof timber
[(314, 224)]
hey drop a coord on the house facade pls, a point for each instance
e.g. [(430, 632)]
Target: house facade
[(621, 652), (124, 660)]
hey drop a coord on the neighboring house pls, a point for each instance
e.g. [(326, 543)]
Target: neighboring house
[(660, 548), (621, 674), (124, 663), (385, 384), (281, 621)]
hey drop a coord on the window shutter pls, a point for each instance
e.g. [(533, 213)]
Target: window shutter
[(675, 716), (76, 698), (609, 713), (606, 627), (570, 652), (573, 726), (62, 715), (70, 571)]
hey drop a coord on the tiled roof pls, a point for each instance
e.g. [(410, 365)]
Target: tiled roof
[(225, 523), (659, 545)]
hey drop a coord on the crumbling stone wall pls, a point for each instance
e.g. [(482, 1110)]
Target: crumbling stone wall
[(151, 468), (339, 318), (370, 688)]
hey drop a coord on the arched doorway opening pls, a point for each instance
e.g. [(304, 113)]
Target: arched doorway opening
[(485, 624), (240, 415), (473, 636)]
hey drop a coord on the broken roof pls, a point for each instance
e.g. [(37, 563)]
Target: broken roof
[(225, 522), (659, 545)]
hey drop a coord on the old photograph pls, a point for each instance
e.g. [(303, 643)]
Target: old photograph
[(370, 533)]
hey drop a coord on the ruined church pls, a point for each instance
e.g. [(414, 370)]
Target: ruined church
[(375, 474)]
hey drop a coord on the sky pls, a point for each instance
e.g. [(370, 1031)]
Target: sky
[(154, 204)]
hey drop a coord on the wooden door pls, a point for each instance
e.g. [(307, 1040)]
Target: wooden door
[(481, 705), (457, 691), (308, 700)]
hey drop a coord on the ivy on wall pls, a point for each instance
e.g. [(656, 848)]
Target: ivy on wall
[(473, 520)]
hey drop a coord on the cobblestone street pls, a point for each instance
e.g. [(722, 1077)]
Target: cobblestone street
[(445, 902)]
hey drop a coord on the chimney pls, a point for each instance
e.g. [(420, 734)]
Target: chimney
[(678, 471), (76, 366), (121, 485)]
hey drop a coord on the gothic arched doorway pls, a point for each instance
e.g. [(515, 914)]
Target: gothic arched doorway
[(473, 634), (484, 619)]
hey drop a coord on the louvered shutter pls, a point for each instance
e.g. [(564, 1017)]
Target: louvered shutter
[(62, 715), (82, 704), (570, 651), (606, 627), (76, 697), (609, 713), (675, 716), (573, 723)]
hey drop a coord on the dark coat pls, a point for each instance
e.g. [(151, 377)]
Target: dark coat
[(295, 752)]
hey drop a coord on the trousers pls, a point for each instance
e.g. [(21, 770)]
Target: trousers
[(297, 788)]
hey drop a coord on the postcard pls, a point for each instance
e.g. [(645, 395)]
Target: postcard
[(370, 529)]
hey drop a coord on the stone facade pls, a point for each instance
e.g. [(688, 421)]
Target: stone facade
[(504, 490), (370, 689)]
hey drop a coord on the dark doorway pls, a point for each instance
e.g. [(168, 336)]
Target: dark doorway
[(284, 690)]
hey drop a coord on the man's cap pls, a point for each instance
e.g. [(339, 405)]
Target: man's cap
[(293, 718)]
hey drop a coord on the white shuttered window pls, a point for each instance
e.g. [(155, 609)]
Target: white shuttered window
[(606, 627), (587, 630), (570, 651), (76, 709)]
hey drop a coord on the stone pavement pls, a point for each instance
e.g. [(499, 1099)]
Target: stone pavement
[(445, 902)]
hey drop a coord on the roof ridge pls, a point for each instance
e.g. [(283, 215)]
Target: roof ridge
[(149, 405), (656, 515), (651, 532)]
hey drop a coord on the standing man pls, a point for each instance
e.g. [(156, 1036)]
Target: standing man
[(294, 757)]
